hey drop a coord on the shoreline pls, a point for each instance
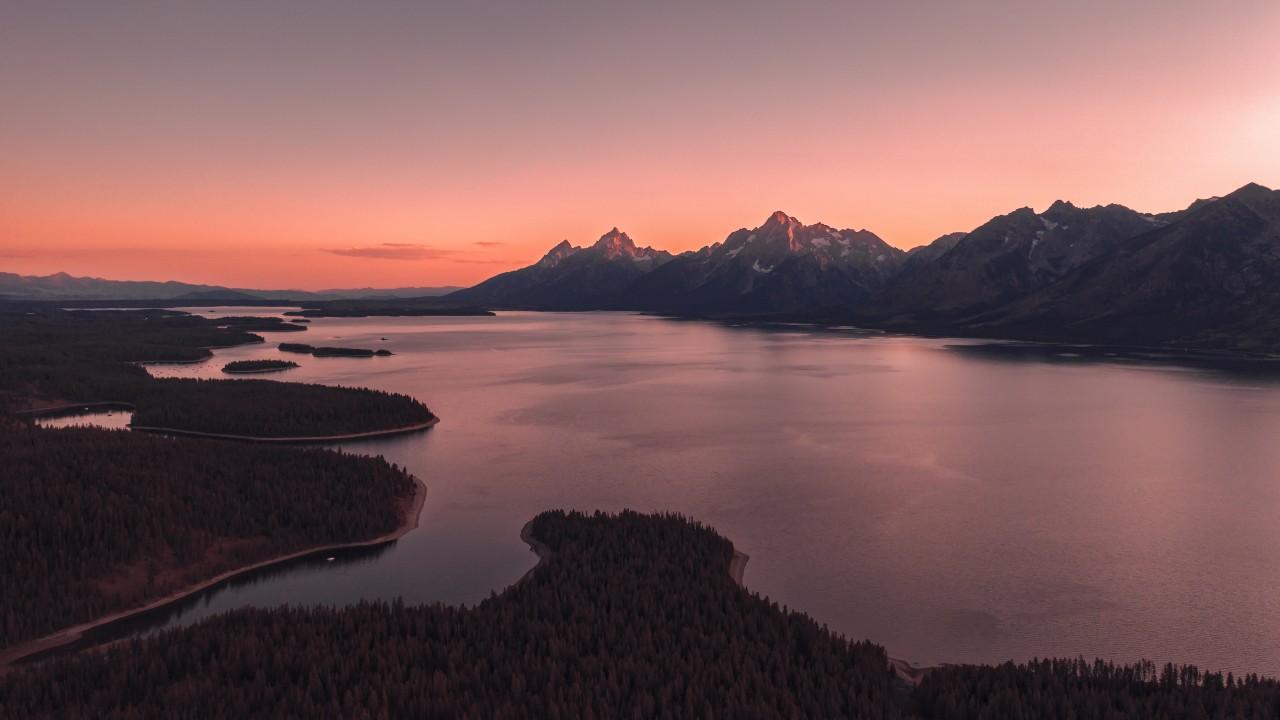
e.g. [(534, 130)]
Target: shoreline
[(737, 566), (906, 672), (539, 548), (15, 654), (912, 674), (74, 409), (285, 440)]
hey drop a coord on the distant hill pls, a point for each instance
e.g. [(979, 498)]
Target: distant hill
[(61, 286)]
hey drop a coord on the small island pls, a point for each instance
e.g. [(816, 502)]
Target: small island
[(244, 367), (331, 351), (54, 359)]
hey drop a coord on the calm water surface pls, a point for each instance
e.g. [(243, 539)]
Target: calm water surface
[(951, 506)]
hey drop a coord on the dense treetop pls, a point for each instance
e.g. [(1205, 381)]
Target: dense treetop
[(252, 366), (633, 616), (96, 521)]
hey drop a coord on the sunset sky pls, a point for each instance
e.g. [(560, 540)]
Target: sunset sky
[(348, 144)]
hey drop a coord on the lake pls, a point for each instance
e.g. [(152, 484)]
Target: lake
[(950, 503)]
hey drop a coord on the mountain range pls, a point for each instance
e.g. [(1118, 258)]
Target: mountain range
[(1207, 276), (569, 277), (61, 286)]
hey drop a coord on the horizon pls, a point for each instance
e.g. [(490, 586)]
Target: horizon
[(577, 244), (323, 146)]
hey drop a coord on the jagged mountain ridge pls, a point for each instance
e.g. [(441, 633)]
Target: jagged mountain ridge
[(1007, 258), (1205, 276), (1211, 279), (569, 277), (781, 266)]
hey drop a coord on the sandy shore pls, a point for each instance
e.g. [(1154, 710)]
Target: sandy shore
[(69, 409), (285, 440), (737, 565), (69, 635), (908, 673), (72, 408), (540, 548)]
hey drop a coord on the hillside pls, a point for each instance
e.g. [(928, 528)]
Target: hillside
[(1209, 280)]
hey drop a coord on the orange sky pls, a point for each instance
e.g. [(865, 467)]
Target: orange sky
[(330, 144)]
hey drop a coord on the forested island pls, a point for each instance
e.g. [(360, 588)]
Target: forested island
[(305, 349), (631, 616), (248, 322), (55, 357), (97, 521), (272, 410), (257, 366)]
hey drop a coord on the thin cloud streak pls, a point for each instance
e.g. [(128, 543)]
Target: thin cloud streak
[(395, 251), (414, 251)]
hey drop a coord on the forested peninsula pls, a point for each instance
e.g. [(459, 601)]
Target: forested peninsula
[(55, 357), (97, 521), (631, 616)]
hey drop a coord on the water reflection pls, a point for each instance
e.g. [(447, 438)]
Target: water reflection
[(195, 606), (953, 503), (1224, 365), (104, 416)]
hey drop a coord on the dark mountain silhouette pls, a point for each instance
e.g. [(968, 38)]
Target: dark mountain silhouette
[(1209, 280), (568, 277), (781, 266), (61, 286), (1005, 259)]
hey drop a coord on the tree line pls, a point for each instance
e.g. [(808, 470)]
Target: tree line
[(634, 616), (97, 521), (84, 356)]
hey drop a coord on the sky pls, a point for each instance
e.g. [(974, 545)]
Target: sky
[(325, 144)]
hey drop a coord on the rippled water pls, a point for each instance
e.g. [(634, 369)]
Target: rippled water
[(952, 505)]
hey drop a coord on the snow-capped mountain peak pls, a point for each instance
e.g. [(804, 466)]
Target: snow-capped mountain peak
[(558, 253), (616, 244)]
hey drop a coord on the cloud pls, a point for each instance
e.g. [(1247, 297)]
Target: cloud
[(474, 261), (414, 251), (489, 243), (395, 251)]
